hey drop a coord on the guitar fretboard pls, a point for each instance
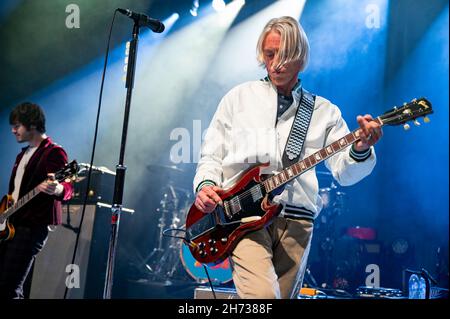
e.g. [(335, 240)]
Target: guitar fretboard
[(20, 202), (302, 166)]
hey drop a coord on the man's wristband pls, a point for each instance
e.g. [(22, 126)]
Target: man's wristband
[(360, 156), (205, 183)]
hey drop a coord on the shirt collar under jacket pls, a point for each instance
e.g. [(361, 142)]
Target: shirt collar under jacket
[(296, 90)]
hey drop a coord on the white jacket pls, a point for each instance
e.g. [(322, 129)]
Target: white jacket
[(242, 134)]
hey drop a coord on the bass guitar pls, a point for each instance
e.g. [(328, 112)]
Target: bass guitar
[(8, 207), (246, 206)]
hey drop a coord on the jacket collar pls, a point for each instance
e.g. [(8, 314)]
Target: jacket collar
[(45, 142)]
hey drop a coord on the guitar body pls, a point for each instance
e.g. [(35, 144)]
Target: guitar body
[(214, 235), (6, 229)]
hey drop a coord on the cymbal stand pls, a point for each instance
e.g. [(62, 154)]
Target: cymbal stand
[(157, 251), (327, 243), (169, 261)]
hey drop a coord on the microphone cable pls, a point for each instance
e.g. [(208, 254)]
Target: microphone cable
[(210, 282), (189, 243), (93, 148)]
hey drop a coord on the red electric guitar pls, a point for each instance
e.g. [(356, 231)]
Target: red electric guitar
[(246, 205)]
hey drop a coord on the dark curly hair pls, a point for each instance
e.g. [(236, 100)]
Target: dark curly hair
[(28, 114)]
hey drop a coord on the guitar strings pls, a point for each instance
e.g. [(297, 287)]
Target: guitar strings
[(247, 193)]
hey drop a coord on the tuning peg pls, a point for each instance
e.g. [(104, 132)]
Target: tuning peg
[(416, 123), (426, 119), (406, 126)]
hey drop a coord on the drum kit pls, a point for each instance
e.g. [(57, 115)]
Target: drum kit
[(171, 261)]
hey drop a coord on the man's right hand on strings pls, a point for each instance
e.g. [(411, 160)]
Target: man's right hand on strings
[(208, 198)]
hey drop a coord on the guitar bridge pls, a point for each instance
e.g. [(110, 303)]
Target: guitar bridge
[(235, 206), (232, 207)]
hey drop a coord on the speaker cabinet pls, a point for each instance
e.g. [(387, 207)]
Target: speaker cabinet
[(51, 265)]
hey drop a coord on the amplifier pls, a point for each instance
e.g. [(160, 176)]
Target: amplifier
[(221, 293), (101, 186), (50, 267)]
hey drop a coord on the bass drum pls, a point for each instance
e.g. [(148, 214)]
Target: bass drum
[(219, 274)]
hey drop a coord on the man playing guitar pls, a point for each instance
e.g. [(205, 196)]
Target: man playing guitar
[(252, 125), (28, 228)]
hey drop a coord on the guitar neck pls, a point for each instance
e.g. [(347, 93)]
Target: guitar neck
[(295, 170), (21, 202)]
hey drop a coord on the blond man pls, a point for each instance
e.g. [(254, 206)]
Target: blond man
[(252, 124)]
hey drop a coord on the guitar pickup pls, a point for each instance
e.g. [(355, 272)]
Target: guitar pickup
[(226, 209)]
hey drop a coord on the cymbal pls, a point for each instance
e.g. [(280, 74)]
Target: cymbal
[(157, 168)]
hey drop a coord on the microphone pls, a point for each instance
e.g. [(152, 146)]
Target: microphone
[(143, 20)]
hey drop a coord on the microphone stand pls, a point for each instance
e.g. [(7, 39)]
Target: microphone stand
[(116, 208)]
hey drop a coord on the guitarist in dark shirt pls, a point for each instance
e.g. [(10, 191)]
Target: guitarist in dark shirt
[(33, 165)]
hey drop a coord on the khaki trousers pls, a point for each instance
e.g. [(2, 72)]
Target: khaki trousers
[(270, 263)]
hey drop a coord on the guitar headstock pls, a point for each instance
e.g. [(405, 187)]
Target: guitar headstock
[(68, 172), (408, 112)]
